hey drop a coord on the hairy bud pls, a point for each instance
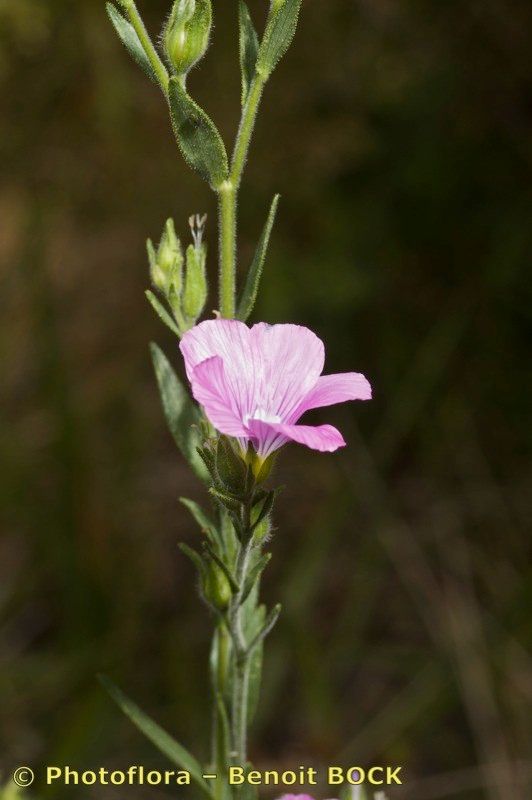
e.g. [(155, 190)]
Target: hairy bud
[(186, 34), (166, 263), (195, 289)]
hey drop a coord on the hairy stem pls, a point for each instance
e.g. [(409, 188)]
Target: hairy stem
[(227, 217)]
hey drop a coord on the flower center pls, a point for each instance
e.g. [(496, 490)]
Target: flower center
[(263, 415)]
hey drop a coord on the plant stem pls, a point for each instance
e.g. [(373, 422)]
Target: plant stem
[(228, 196), (227, 223), (241, 660), (147, 44)]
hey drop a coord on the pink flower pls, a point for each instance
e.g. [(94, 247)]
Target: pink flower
[(256, 383)]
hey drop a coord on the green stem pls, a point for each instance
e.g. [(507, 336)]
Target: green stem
[(147, 44), (241, 662), (227, 213), (228, 196)]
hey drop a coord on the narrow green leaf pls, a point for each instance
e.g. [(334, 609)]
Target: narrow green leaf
[(181, 414), (254, 574), (278, 36), (162, 313), (194, 556), (201, 517), (255, 663), (162, 740), (197, 136), (251, 287), (130, 40), (249, 47)]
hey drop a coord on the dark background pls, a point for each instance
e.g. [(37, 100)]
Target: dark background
[(399, 135)]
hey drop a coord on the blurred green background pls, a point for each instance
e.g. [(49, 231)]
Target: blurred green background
[(399, 136)]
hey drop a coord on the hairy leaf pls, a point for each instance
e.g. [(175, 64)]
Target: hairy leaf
[(162, 313), (278, 36), (251, 287), (197, 136), (249, 48), (130, 40), (162, 740), (181, 414)]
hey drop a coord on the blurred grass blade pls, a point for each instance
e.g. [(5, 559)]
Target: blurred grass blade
[(181, 414), (162, 313), (197, 136), (127, 35), (251, 287), (249, 48), (278, 36), (162, 740)]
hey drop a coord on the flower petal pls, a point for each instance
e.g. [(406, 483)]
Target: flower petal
[(292, 361), (269, 436), (332, 389), (242, 362), (211, 390)]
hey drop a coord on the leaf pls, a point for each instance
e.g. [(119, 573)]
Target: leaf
[(197, 136), (203, 520), (255, 662), (251, 287), (249, 48), (278, 36), (181, 414), (162, 740), (254, 574), (162, 313), (194, 556), (130, 40)]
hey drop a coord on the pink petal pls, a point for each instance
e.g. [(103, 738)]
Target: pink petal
[(211, 390), (332, 389), (269, 436), (292, 361), (242, 363)]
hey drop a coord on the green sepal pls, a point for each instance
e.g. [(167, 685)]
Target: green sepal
[(181, 414), (197, 136), (230, 467), (278, 36), (163, 741), (251, 287), (248, 48), (226, 500), (128, 36), (162, 313)]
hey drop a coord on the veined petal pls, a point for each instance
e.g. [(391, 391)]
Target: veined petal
[(211, 390), (269, 436), (242, 362), (332, 389), (292, 361)]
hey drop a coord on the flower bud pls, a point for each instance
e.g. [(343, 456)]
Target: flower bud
[(186, 34), (195, 290), (166, 264), (216, 587)]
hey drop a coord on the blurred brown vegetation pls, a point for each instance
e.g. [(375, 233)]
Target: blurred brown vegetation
[(399, 135)]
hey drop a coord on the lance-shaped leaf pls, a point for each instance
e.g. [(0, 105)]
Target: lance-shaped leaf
[(163, 741), (249, 47), (278, 36), (195, 557), (255, 663), (205, 523), (197, 136), (130, 40), (181, 414), (162, 313), (254, 574), (251, 287)]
